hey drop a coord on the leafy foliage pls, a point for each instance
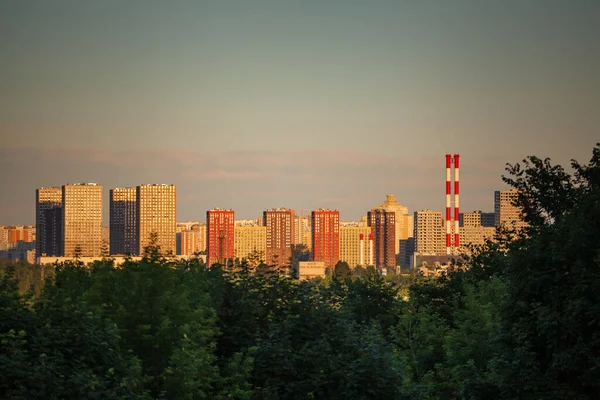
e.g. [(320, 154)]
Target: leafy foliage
[(518, 318)]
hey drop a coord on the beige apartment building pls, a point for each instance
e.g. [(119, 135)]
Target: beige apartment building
[(157, 213), (48, 221), (82, 220), (192, 241), (355, 246), (506, 213), (430, 235), (477, 218), (475, 235), (249, 239)]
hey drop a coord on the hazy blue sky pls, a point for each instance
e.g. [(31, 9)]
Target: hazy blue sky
[(260, 104)]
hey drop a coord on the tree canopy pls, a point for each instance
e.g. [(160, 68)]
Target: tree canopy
[(519, 318)]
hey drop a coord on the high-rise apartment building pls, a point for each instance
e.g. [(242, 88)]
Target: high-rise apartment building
[(326, 236), (156, 213), (48, 221), (355, 248), (475, 228), (506, 213), (220, 236), (250, 239), (280, 235), (383, 228), (123, 221), (429, 233), (192, 241), (82, 219), (403, 220)]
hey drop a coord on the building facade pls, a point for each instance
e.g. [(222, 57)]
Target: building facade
[(477, 218), (355, 248), (250, 239), (193, 240), (220, 236), (383, 229), (302, 231), (21, 233), (156, 213), (280, 235), (429, 233), (48, 221), (475, 236), (506, 213), (326, 236), (123, 221), (403, 220), (82, 220)]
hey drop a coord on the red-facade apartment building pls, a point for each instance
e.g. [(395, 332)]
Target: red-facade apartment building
[(326, 236), (219, 236), (280, 235)]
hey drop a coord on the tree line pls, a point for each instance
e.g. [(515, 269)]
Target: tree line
[(518, 319)]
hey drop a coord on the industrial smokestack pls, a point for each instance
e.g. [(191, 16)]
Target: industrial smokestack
[(448, 203), (456, 202)]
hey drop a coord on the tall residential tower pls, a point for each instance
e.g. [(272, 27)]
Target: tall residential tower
[(326, 236), (156, 213), (280, 235), (220, 236), (123, 221), (383, 229), (82, 220), (48, 221)]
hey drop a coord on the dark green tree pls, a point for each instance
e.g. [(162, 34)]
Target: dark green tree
[(342, 270), (551, 319)]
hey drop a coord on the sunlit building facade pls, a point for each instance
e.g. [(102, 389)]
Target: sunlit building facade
[(82, 220), (250, 239), (326, 236), (429, 233), (403, 221), (280, 235), (192, 241), (220, 236), (506, 213), (156, 214), (355, 246)]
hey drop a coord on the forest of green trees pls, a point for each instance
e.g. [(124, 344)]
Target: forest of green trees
[(519, 319)]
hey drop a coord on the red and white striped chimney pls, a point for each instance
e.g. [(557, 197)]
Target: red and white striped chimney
[(456, 202), (448, 205)]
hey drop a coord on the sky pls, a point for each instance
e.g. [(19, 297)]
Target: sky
[(260, 104)]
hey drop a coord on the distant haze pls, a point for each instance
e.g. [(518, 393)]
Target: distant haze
[(258, 104)]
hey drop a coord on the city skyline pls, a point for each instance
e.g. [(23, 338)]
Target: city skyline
[(297, 104), (253, 214)]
